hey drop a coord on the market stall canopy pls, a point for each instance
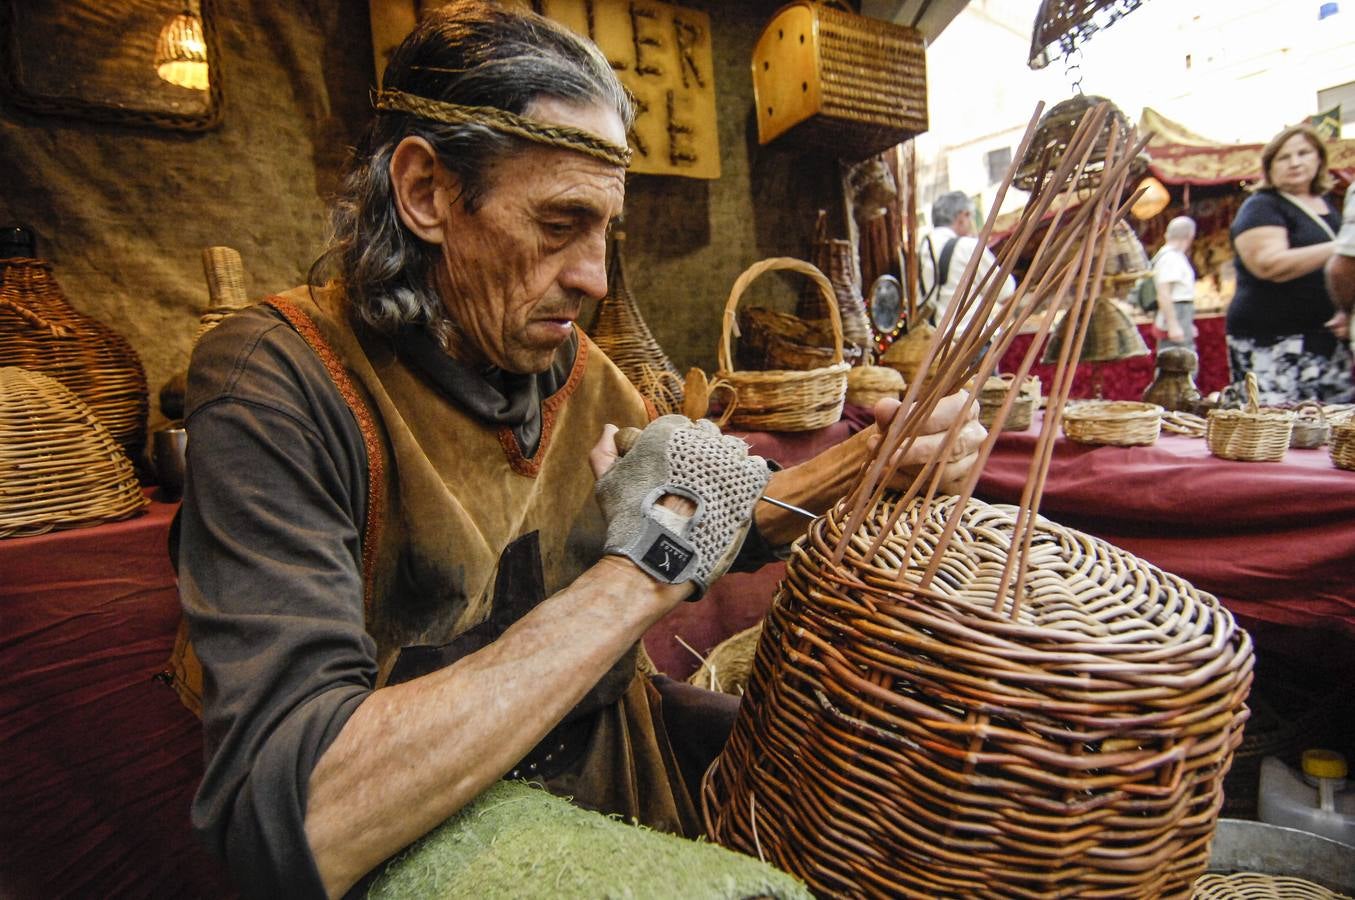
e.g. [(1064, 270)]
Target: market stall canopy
[(1180, 156)]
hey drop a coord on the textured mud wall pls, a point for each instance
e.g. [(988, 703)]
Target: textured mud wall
[(123, 213)]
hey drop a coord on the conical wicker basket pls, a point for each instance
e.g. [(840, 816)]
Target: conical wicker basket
[(784, 400), (40, 331), (621, 332), (896, 741), (59, 465)]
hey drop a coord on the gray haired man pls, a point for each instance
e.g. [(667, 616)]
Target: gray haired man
[(947, 250)]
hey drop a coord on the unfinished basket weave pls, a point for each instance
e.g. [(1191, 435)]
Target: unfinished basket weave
[(621, 332), (1342, 445), (1124, 423), (40, 331), (1253, 434), (783, 400), (59, 465), (899, 741), (727, 667), (1256, 886)]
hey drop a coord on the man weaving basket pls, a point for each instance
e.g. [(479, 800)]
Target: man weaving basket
[(393, 564)]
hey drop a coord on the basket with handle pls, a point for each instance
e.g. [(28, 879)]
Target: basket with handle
[(1252, 434), (1342, 445), (1022, 411), (1311, 428), (780, 399)]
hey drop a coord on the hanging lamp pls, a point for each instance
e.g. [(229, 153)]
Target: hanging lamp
[(181, 52)]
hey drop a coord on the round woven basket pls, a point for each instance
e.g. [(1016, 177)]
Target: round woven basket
[(1022, 411), (727, 667), (1123, 423), (1252, 434), (1342, 445), (907, 353), (867, 385), (41, 331), (1311, 428), (1053, 135), (59, 465), (900, 741), (784, 400), (1256, 886)]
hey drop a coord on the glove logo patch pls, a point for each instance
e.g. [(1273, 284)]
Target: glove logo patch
[(667, 557)]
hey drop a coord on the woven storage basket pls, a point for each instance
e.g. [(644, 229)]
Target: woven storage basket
[(1311, 428), (59, 465), (1255, 886), (622, 334), (867, 385), (1022, 411), (1342, 445), (837, 82), (40, 331), (771, 339), (1252, 434), (784, 400), (833, 257), (895, 741), (727, 667), (1124, 423)]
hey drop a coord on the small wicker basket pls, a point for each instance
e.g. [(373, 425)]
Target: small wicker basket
[(784, 400), (1252, 434), (621, 333), (59, 465), (1342, 446), (867, 385), (1311, 428), (1123, 423), (1022, 411), (728, 666)]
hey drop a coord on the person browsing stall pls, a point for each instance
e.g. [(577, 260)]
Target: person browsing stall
[(1281, 323), (1174, 278), (411, 562), (946, 251)]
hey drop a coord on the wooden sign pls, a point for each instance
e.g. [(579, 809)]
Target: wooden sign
[(660, 51), (662, 54)]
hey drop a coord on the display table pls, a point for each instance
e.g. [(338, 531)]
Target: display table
[(1274, 541), (100, 758), (1128, 378)]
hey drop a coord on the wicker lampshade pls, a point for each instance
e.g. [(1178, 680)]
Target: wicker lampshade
[(1056, 128), (1111, 335), (181, 52)]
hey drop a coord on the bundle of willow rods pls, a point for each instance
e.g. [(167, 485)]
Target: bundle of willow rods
[(961, 700)]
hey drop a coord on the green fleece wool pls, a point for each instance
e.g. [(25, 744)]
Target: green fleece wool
[(518, 841)]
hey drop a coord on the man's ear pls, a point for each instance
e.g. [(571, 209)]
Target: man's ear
[(423, 189)]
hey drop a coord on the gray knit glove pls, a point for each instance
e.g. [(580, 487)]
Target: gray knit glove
[(675, 455)]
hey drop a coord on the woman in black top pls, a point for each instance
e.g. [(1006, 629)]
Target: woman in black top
[(1282, 325)]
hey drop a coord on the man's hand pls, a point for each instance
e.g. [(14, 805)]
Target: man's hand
[(928, 445)]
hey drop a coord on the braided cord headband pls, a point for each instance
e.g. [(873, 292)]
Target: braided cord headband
[(560, 136)]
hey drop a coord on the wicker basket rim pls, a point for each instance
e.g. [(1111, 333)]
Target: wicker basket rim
[(1111, 409)]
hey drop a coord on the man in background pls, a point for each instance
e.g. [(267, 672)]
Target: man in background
[(945, 253), (1174, 278)]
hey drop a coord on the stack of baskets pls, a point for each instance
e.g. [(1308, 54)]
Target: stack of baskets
[(1252, 434), (994, 394), (59, 465), (783, 399), (40, 331), (901, 740), (1122, 423)]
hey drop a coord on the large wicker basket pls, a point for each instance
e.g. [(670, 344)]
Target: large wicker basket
[(900, 741), (784, 400), (59, 465), (40, 331), (837, 82), (1122, 423), (1252, 434)]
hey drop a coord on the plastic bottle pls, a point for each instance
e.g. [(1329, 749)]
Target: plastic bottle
[(1316, 800)]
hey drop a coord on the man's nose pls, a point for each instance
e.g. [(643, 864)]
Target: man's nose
[(586, 271)]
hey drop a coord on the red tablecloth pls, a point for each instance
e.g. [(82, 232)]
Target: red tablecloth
[(100, 760), (1274, 541), (1128, 378)]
